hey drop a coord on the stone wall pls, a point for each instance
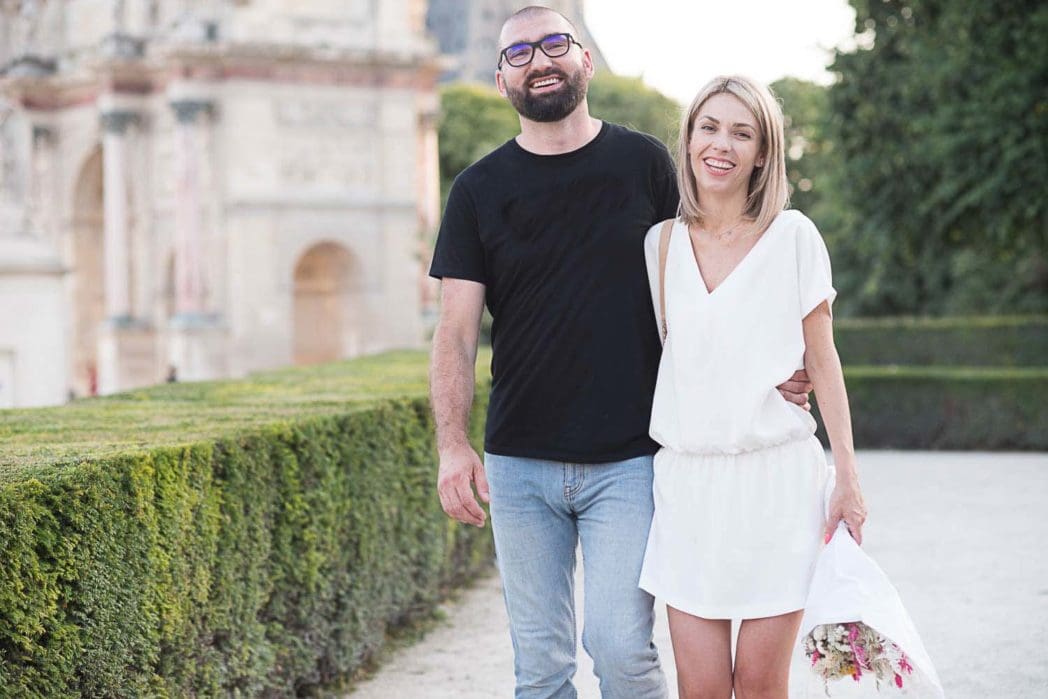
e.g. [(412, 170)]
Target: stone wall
[(190, 174)]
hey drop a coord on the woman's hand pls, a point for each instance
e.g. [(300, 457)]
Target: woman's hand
[(846, 503)]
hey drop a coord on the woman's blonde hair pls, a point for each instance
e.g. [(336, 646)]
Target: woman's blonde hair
[(768, 191)]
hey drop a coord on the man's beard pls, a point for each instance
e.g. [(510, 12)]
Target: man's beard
[(554, 106)]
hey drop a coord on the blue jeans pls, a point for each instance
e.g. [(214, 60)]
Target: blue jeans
[(539, 511)]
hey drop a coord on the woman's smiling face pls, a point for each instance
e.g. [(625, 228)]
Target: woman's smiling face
[(725, 146)]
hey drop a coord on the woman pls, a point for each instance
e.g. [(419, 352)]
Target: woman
[(740, 481)]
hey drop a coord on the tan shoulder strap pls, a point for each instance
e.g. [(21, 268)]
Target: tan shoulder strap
[(664, 248)]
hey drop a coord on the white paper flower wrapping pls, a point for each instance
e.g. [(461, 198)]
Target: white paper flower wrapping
[(847, 585)]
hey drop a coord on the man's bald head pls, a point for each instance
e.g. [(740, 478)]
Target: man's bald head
[(570, 70), (529, 13)]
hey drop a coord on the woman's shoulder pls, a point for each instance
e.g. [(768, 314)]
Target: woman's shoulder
[(798, 228), (795, 220), (651, 238)]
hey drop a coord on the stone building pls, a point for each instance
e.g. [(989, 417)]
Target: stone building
[(209, 188), (467, 32)]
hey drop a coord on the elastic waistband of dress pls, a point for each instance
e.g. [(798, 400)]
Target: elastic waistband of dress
[(789, 441)]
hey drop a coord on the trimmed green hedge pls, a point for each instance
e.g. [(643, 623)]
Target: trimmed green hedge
[(948, 407), (947, 383), (259, 537), (241, 538), (961, 341)]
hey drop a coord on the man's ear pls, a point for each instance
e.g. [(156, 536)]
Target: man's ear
[(587, 63), (499, 84)]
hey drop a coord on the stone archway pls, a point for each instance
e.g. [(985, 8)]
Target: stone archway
[(322, 304), (87, 278)]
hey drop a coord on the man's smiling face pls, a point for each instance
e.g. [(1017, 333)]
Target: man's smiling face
[(546, 89)]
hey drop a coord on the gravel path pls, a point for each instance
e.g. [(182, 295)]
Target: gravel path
[(961, 535)]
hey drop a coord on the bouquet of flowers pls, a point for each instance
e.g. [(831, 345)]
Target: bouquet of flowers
[(852, 649), (855, 625)]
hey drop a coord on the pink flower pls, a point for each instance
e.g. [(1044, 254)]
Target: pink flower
[(858, 650), (898, 680)]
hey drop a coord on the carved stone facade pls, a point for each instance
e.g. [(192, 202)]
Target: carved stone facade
[(209, 188)]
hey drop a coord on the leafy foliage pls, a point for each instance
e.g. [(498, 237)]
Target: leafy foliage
[(988, 341), (939, 127), (259, 537), (946, 383), (815, 171), (628, 101), (474, 121), (947, 407), (240, 538)]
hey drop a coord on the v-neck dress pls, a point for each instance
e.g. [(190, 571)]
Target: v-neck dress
[(740, 479)]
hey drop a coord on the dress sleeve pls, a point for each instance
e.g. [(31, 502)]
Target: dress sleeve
[(459, 253), (651, 258), (813, 269)]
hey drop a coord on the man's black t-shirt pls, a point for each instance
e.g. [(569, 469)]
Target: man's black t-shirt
[(558, 240)]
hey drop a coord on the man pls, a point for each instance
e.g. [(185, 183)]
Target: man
[(548, 229)]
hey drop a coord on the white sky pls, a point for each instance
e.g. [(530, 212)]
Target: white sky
[(677, 45)]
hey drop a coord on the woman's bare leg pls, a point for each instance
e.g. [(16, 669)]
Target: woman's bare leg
[(702, 649), (762, 656)]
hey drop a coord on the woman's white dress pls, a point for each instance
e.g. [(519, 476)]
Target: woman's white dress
[(739, 483)]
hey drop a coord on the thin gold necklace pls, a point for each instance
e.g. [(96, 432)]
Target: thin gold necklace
[(726, 235)]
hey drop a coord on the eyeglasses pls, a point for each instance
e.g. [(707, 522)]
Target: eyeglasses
[(553, 45)]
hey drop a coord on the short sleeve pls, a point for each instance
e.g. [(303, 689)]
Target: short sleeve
[(459, 253), (813, 268), (664, 181)]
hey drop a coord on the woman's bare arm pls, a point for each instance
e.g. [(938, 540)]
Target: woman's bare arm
[(824, 369)]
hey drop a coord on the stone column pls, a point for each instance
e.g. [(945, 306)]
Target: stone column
[(115, 207), (191, 116), (198, 334), (33, 352), (41, 209), (429, 213), (126, 345), (429, 179), (14, 159)]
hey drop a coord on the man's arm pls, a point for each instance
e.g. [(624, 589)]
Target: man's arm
[(451, 385)]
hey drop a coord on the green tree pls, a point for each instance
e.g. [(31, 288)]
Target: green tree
[(628, 101), (808, 150), (940, 126), (814, 169)]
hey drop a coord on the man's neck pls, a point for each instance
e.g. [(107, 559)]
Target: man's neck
[(556, 137)]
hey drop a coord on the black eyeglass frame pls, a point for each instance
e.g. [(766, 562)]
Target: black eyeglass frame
[(537, 45)]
